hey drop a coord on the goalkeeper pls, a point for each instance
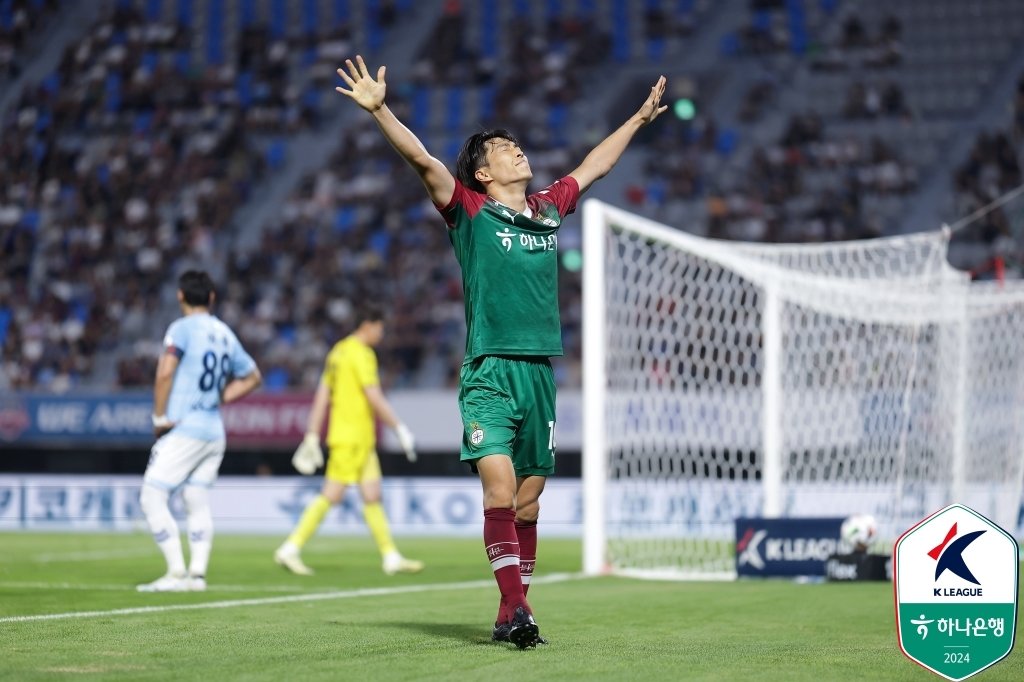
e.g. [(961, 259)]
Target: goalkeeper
[(506, 243), (351, 386)]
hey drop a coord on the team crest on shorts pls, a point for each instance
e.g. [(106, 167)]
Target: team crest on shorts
[(476, 434)]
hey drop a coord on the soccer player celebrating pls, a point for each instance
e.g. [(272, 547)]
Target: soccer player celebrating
[(506, 243), (350, 385), (202, 367)]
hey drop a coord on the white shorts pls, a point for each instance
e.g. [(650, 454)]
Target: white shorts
[(176, 460)]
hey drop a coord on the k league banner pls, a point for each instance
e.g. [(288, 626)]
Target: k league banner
[(785, 547)]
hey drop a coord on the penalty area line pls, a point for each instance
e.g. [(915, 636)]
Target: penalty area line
[(290, 599)]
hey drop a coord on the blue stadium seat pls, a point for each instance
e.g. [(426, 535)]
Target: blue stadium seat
[(247, 13), (112, 90), (215, 32), (729, 45), (278, 18), (310, 16), (558, 118), (185, 13), (454, 104), (276, 380), (655, 49), (344, 219), (342, 13), (182, 61), (30, 220), (725, 142), (5, 323), (485, 107), (277, 151), (620, 31), (451, 148), (420, 108), (143, 121), (489, 33), (554, 10), (380, 242), (51, 83), (150, 60), (374, 32), (243, 87), (154, 10), (43, 120)]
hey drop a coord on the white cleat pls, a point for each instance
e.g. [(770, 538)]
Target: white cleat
[(196, 583), (397, 563), (168, 583), (288, 556)]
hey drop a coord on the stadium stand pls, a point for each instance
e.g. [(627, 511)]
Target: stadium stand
[(796, 120)]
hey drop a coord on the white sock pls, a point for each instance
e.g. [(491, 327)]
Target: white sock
[(163, 527), (200, 528)]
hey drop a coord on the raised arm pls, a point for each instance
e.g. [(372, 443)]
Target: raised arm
[(605, 155), (369, 94)]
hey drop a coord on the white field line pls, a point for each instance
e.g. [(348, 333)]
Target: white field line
[(98, 555), (125, 587), (291, 599)]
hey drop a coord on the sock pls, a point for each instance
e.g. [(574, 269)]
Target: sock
[(377, 522), (503, 553), (163, 527), (526, 531), (311, 519), (200, 529)]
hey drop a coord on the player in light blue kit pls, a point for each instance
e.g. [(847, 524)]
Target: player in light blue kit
[(203, 366)]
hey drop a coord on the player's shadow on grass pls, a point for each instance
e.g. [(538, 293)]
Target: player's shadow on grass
[(463, 632)]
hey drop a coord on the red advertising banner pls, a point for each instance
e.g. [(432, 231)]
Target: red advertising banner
[(267, 420)]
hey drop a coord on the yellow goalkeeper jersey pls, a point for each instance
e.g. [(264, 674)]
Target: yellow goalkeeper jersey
[(351, 366)]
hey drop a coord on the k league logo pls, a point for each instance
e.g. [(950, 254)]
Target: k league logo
[(951, 558), (955, 581)]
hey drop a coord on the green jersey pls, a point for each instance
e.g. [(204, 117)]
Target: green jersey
[(509, 264)]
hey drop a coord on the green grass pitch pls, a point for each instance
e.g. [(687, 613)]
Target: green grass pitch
[(351, 622)]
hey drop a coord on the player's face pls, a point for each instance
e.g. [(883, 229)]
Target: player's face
[(376, 332), (506, 162)]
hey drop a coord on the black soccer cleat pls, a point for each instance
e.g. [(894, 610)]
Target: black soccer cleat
[(500, 632), (523, 630)]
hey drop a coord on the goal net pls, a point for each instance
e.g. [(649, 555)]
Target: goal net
[(730, 379)]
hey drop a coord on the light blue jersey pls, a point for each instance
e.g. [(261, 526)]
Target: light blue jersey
[(210, 356)]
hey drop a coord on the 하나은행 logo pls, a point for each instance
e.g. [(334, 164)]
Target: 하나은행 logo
[(955, 577)]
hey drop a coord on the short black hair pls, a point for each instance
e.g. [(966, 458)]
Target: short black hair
[(196, 288), (367, 311), (474, 151)]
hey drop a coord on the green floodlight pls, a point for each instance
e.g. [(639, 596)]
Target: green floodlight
[(572, 260), (685, 109)]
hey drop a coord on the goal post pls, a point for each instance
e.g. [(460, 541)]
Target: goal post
[(728, 379)]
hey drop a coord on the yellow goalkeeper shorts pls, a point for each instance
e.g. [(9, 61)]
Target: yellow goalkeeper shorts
[(351, 463)]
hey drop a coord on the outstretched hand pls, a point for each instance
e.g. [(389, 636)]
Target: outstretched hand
[(652, 108), (367, 92)]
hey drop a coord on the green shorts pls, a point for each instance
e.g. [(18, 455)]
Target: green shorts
[(508, 408)]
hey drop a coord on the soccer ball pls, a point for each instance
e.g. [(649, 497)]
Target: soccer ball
[(859, 531)]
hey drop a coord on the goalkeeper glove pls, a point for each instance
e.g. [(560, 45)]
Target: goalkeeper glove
[(406, 440), (308, 456)]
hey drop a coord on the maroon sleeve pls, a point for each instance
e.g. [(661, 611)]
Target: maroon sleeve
[(563, 194), (463, 197)]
